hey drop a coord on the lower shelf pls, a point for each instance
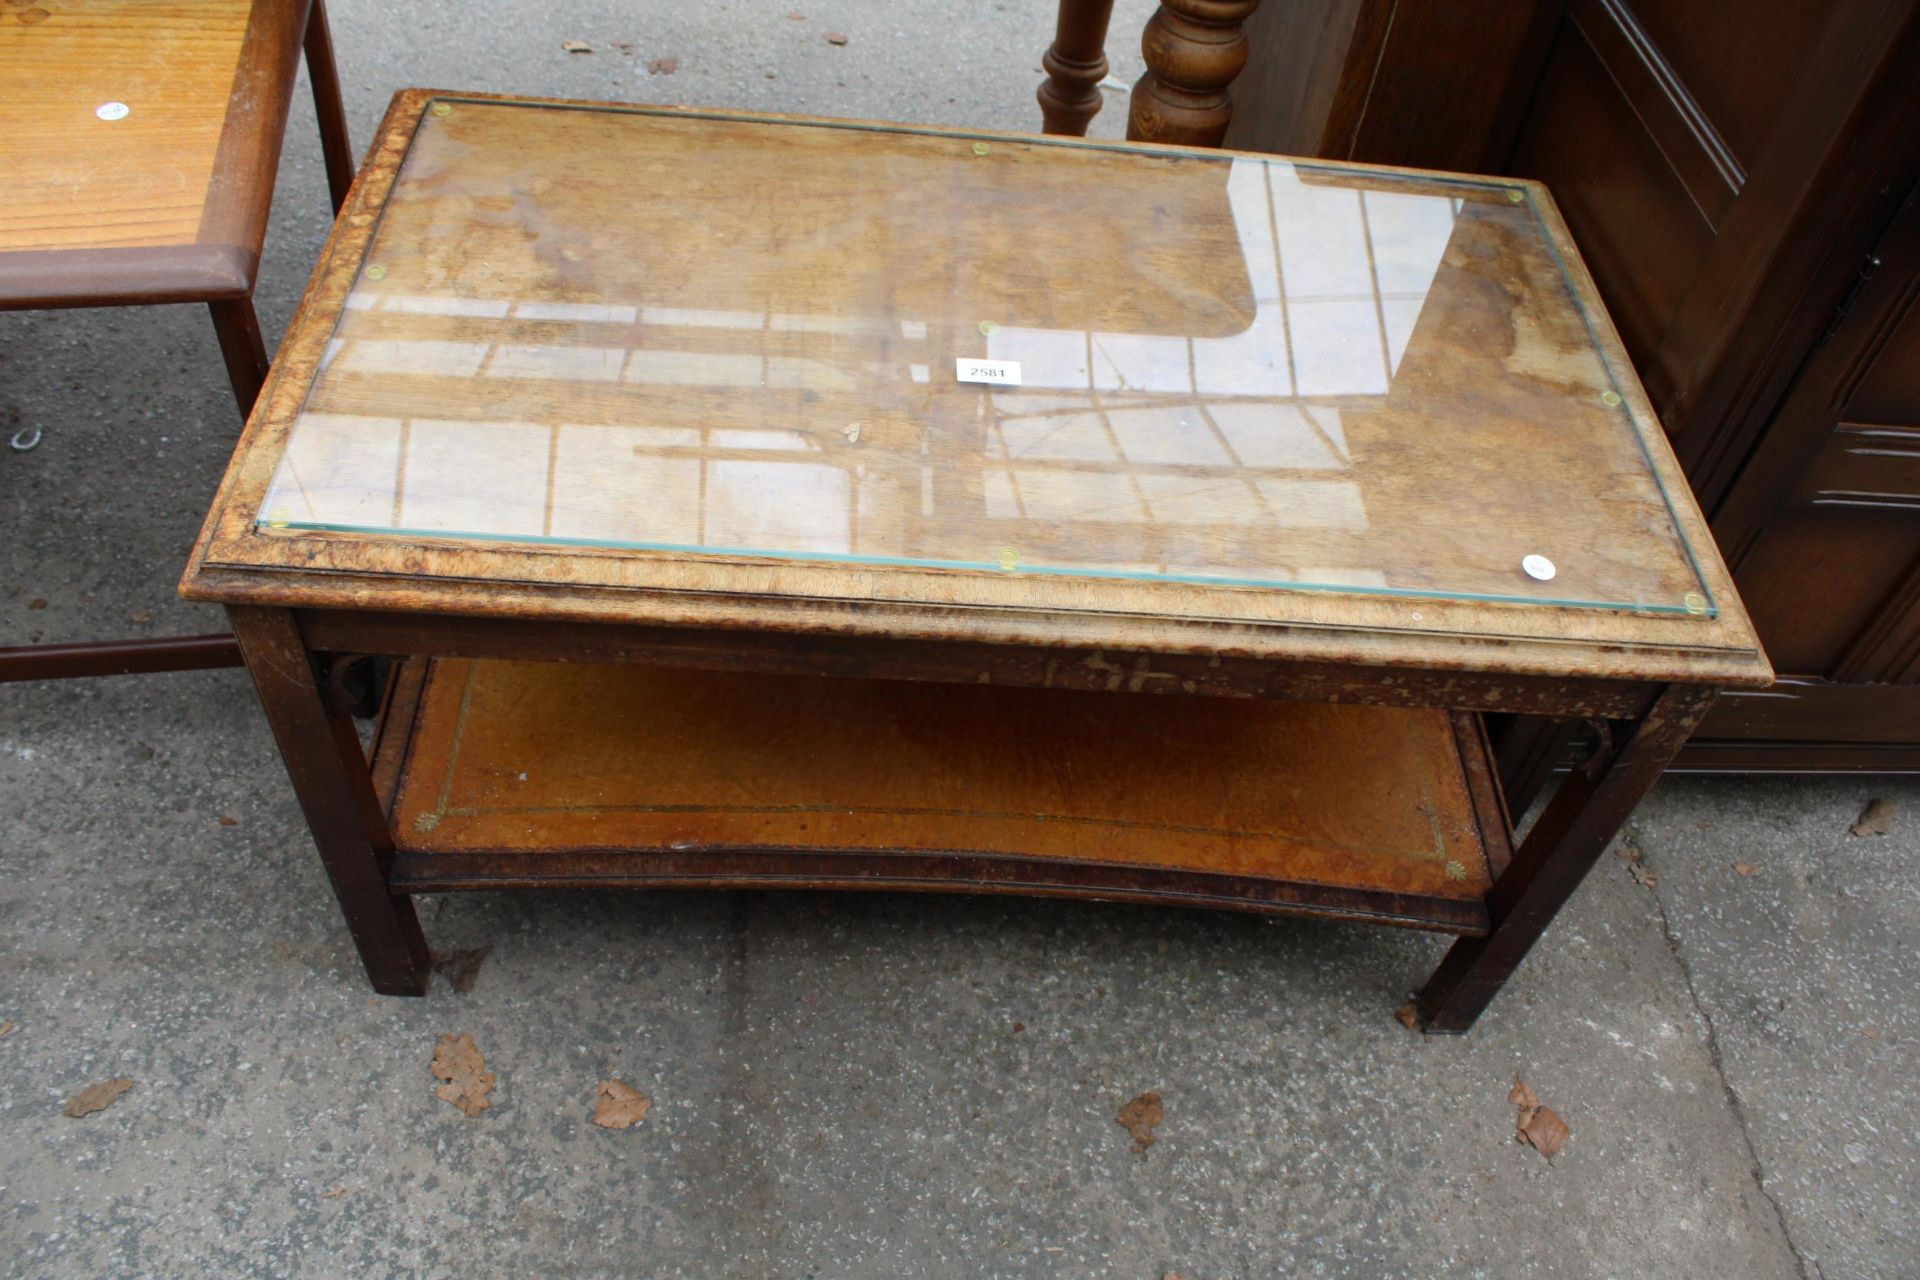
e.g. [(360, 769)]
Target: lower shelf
[(506, 774)]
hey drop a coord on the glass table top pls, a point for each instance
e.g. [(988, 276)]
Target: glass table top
[(683, 334)]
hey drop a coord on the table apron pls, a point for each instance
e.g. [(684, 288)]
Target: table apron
[(1029, 666)]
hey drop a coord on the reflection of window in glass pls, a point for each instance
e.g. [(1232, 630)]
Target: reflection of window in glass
[(1120, 451), (474, 477), (1338, 275), (779, 506), (338, 470)]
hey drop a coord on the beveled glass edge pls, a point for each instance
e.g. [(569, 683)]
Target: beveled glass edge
[(734, 555)]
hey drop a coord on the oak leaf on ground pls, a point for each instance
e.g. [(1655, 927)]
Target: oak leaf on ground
[(458, 1063), (96, 1097), (1140, 1117), (619, 1105)]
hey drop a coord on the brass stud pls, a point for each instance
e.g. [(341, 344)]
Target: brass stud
[(1611, 399), (988, 328), (1455, 871), (981, 148), (376, 272), (1009, 559), (441, 108), (1515, 195), (1695, 602), (277, 518)]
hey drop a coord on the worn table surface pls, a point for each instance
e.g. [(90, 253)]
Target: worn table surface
[(837, 1081), (140, 148), (1281, 409)]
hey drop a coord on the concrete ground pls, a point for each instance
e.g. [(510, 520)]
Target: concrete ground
[(844, 1086)]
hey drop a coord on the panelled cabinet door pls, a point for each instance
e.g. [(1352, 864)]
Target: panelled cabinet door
[(1823, 531)]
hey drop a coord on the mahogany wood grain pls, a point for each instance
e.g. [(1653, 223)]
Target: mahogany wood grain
[(1193, 50), (328, 107), (321, 751), (1556, 854), (1076, 63), (117, 658), (141, 170)]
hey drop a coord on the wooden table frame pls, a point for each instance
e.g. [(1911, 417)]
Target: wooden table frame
[(216, 272), (1637, 682), (290, 653)]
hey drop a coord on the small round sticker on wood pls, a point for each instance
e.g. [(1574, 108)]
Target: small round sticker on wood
[(112, 110)]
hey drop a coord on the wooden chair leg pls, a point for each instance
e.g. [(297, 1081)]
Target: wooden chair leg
[(1565, 841), (241, 346), (322, 753), (1076, 63), (1194, 49), (327, 104)]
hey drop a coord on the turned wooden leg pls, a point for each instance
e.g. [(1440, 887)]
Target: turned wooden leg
[(323, 757), (1567, 838), (327, 105), (241, 346), (1076, 63), (1194, 49)]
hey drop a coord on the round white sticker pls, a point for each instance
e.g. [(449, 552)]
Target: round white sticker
[(1538, 567), (111, 111)]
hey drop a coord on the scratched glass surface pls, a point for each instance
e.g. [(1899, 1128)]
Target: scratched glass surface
[(689, 335)]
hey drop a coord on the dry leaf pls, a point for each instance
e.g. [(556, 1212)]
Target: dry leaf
[(619, 1105), (1544, 1131), (663, 66), (1642, 876), (794, 15), (1140, 1117), (1875, 819), (1745, 868), (334, 1194), (1631, 852), (141, 616), (225, 821), (1409, 1017), (835, 37), (576, 46), (461, 967), (38, 602), (458, 1062), (96, 1097), (1871, 1033), (6, 1028), (1520, 1095)]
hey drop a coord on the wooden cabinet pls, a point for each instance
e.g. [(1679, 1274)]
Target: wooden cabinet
[(1740, 179)]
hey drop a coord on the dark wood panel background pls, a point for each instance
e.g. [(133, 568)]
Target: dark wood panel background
[(1738, 177)]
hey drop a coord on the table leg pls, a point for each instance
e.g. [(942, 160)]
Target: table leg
[(238, 329), (329, 771), (327, 105), (1565, 841), (1193, 50), (1076, 63)]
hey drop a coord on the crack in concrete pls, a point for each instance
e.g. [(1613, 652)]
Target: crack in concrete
[(1809, 1268)]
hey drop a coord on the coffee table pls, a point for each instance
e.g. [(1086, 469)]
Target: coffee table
[(757, 502)]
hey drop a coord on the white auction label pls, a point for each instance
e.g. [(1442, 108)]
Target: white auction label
[(1001, 373)]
